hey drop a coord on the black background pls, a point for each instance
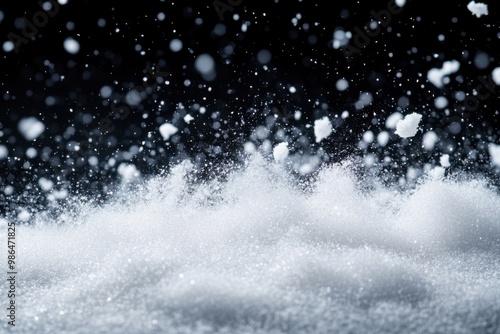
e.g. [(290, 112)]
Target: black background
[(244, 94)]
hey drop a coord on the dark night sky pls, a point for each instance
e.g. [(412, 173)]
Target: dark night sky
[(243, 92)]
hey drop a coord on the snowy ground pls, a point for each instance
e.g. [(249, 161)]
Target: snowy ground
[(254, 254)]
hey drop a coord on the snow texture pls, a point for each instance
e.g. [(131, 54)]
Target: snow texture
[(254, 254)]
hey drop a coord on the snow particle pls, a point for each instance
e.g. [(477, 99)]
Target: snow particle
[(408, 127), (445, 160), (175, 45), (478, 8), (167, 130), (496, 75), (494, 151), (436, 75), (280, 152), (71, 45), (322, 128), (30, 128)]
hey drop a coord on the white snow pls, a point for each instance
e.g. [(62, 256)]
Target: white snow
[(128, 172), (436, 75), (429, 140), (167, 130), (188, 118), (495, 74), (71, 45), (176, 45), (280, 152), (408, 127), (393, 120), (30, 127), (204, 64), (4, 152), (477, 8), (254, 254), (322, 128), (494, 151), (341, 85), (383, 138), (400, 3), (445, 160)]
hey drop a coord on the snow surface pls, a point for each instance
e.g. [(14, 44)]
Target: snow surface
[(322, 128), (408, 127), (254, 254), (445, 160), (478, 8)]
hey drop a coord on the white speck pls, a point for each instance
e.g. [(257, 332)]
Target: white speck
[(71, 45), (494, 151), (445, 160), (62, 2), (478, 8), (408, 127), (167, 130), (280, 152), (176, 45), (436, 75), (188, 118), (30, 128), (322, 128), (400, 3), (496, 75), (160, 16), (393, 120), (292, 89)]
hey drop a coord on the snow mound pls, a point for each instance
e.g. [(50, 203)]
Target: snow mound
[(256, 254)]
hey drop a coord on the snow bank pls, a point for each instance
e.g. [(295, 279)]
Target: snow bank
[(254, 254)]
